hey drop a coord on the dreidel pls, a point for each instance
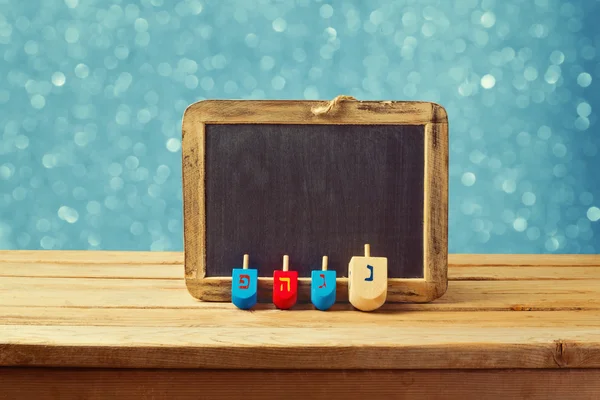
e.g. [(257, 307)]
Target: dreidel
[(367, 281), (322, 287), (285, 286), (244, 283)]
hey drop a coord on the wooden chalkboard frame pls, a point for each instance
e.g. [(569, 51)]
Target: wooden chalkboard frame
[(435, 222)]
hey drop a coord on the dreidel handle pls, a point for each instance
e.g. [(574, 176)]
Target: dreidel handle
[(286, 262)]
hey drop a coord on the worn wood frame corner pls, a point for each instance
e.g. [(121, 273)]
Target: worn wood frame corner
[(435, 222)]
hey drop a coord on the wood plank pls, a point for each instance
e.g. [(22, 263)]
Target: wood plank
[(138, 314), (46, 383), (519, 273), (520, 295), (170, 265), (81, 292), (231, 317), (90, 257), (435, 206), (194, 205), (299, 348), (300, 112), (91, 270), (167, 293), (563, 260)]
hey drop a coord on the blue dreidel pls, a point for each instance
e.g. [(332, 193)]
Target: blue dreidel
[(244, 284), (322, 287)]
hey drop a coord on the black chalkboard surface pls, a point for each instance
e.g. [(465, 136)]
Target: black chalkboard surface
[(269, 178), (312, 191)]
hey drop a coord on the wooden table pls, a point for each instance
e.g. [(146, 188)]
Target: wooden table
[(102, 324)]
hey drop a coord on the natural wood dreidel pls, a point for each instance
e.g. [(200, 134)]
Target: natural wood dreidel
[(285, 286), (367, 281), (244, 285), (322, 287)]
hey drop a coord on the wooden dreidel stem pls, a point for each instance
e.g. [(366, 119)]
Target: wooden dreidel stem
[(322, 287), (244, 285), (367, 281), (285, 286)]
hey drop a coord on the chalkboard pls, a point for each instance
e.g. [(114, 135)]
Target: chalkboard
[(270, 178), (312, 191)]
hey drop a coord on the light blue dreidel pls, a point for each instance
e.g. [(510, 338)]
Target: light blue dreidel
[(322, 287), (244, 284)]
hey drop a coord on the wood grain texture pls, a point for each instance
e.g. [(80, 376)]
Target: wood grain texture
[(53, 269), (82, 317), (193, 173), (299, 112), (89, 257), (203, 117), (45, 383), (538, 260), (520, 273), (168, 265), (435, 238), (464, 295), (294, 348), (304, 318)]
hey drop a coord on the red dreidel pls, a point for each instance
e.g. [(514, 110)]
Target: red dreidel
[(285, 286)]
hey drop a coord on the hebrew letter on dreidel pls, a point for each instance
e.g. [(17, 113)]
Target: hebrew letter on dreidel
[(324, 285), (244, 281), (286, 280), (370, 277)]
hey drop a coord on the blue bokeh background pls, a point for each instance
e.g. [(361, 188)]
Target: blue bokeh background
[(92, 93)]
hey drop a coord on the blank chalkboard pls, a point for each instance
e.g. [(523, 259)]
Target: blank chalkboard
[(269, 178), (312, 191)]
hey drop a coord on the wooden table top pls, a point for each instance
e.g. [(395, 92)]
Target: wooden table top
[(132, 310)]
